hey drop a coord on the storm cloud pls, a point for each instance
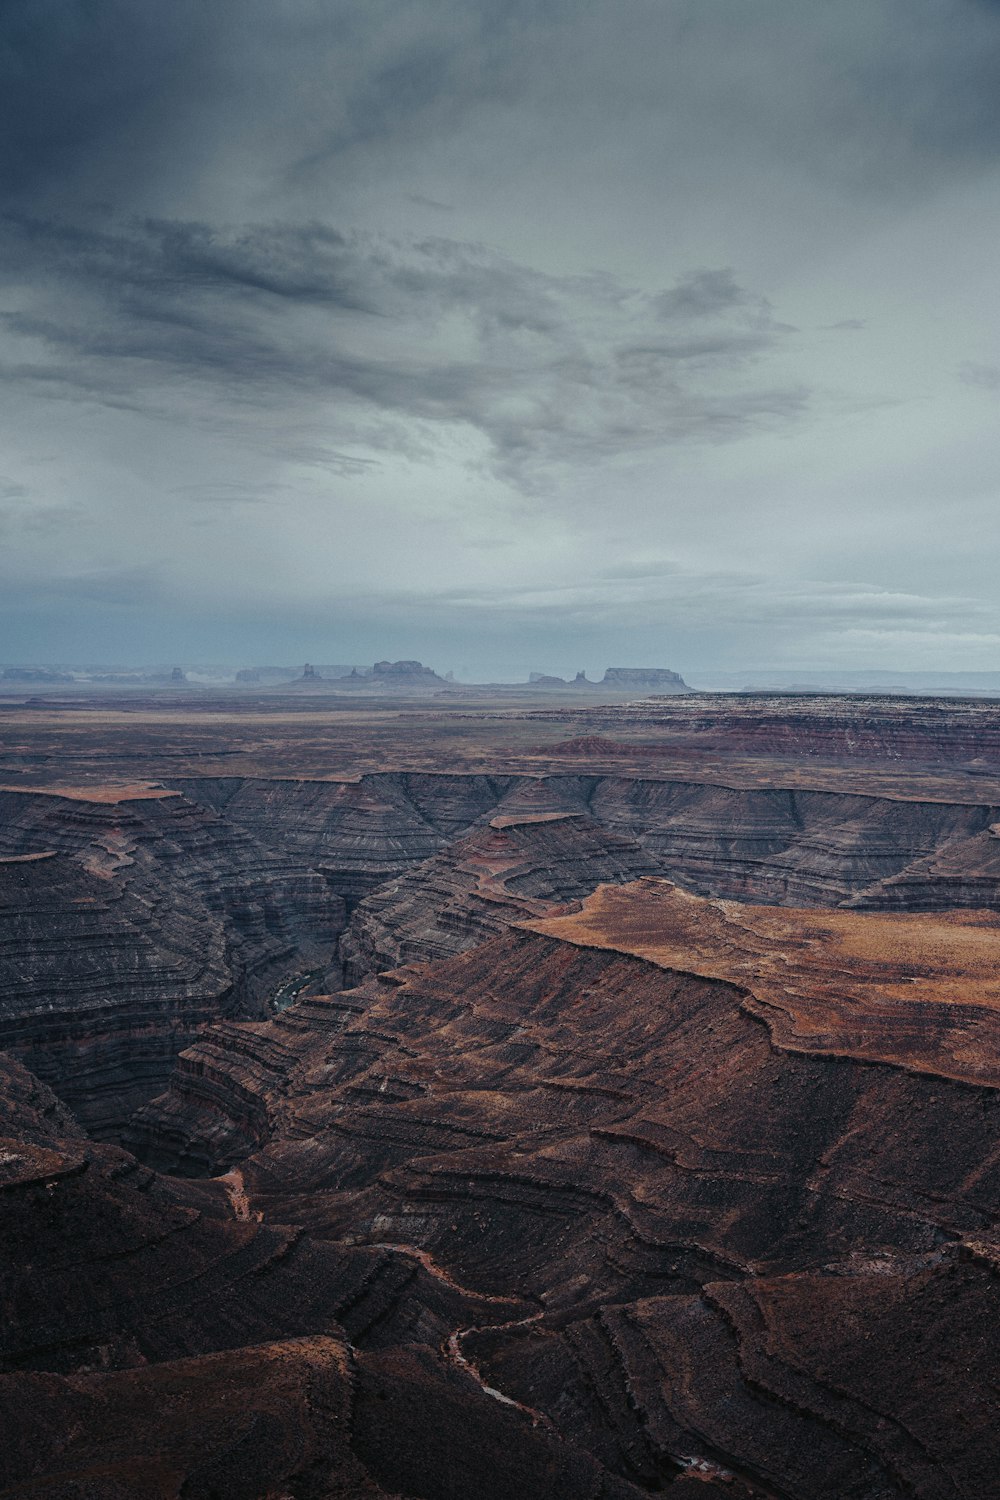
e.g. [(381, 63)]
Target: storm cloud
[(508, 335)]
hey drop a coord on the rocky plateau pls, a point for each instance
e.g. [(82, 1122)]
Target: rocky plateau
[(606, 1103)]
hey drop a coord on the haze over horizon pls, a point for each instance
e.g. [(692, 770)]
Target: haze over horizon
[(488, 333)]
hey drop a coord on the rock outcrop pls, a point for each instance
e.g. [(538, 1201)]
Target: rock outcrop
[(645, 680), (733, 1236), (397, 675), (774, 845), (130, 917), (519, 865), (611, 1116)]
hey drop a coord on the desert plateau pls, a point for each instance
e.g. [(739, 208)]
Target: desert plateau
[(445, 1097)]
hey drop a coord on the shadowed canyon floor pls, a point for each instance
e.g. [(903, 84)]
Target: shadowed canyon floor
[(605, 1103)]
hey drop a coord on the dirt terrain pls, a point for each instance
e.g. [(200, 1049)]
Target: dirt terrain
[(436, 1099)]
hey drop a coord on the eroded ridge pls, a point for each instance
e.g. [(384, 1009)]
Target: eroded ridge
[(720, 1241), (147, 917), (920, 990), (563, 1193), (522, 864)]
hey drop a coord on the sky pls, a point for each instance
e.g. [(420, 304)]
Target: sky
[(507, 334)]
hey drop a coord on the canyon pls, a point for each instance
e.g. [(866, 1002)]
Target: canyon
[(509, 1100)]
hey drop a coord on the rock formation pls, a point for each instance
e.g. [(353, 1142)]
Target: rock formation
[(694, 1211), (645, 680), (520, 864), (130, 917), (568, 1119), (202, 905), (405, 674), (755, 843)]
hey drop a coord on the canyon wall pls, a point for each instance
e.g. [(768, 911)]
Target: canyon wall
[(544, 1124), (132, 918), (129, 920), (725, 1245)]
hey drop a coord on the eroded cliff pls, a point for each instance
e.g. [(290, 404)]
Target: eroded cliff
[(129, 918), (727, 1245), (628, 1128)]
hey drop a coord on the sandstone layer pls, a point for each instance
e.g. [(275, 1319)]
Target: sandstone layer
[(605, 1102), (156, 910), (917, 990), (800, 846), (727, 1249), (129, 918)]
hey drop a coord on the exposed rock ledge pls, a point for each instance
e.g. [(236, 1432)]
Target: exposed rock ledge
[(919, 990)]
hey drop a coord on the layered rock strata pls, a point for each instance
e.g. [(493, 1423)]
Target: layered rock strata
[(154, 912), (834, 727), (128, 919), (519, 865), (567, 1194), (736, 1238), (781, 845), (154, 1344), (774, 845), (99, 988), (359, 832)]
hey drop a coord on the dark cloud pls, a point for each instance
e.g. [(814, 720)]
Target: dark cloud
[(226, 303), (91, 81), (702, 294), (549, 373), (99, 96)]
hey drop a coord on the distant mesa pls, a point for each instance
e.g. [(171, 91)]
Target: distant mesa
[(543, 680), (312, 679), (645, 680), (634, 680), (323, 676), (384, 676), (406, 674)]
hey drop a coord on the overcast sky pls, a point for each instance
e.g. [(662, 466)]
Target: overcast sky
[(507, 334)]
